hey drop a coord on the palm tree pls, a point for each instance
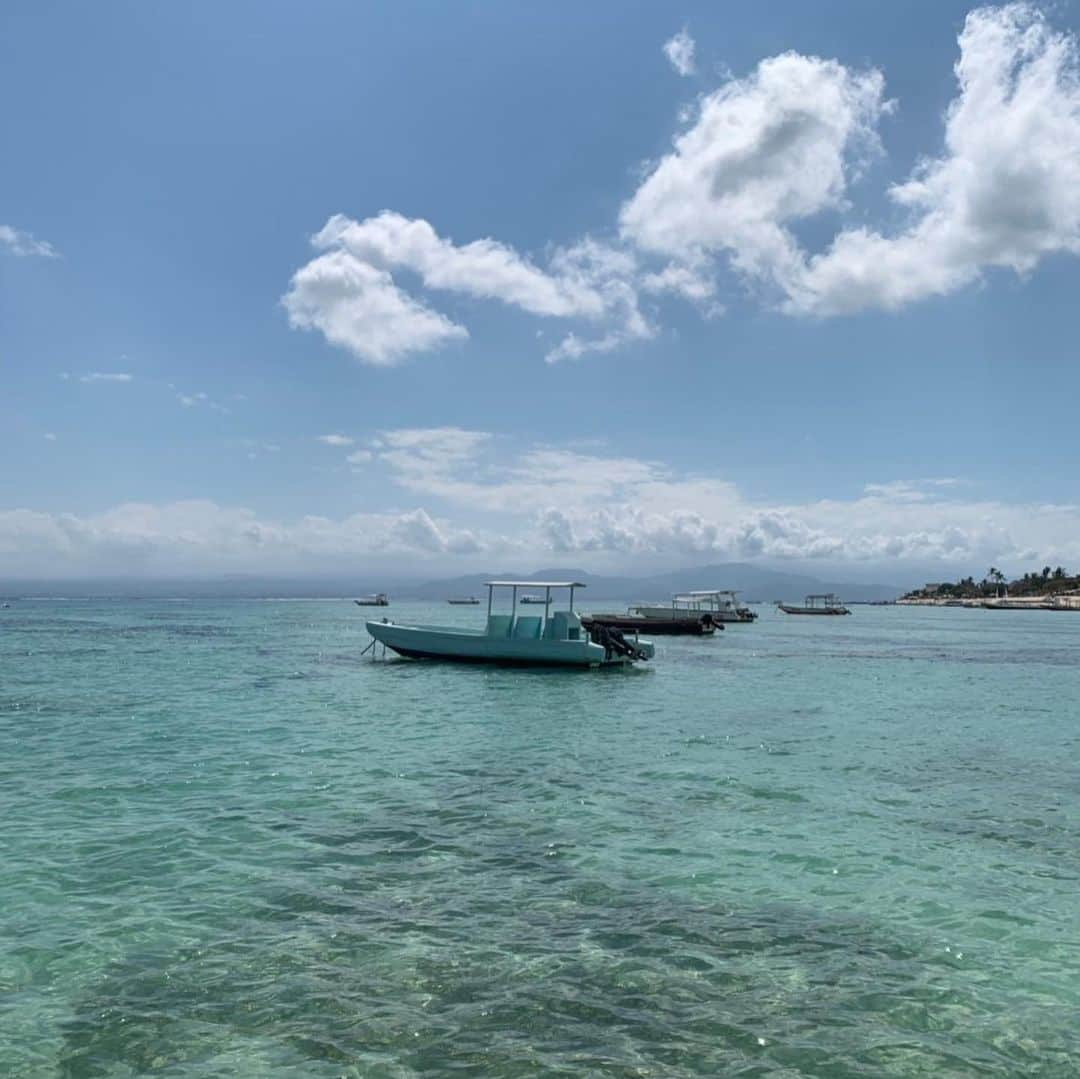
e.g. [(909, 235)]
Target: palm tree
[(997, 578)]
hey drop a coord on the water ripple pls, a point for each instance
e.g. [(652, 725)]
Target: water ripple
[(248, 852)]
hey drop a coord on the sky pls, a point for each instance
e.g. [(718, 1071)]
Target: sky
[(432, 288)]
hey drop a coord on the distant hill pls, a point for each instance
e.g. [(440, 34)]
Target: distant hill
[(754, 582)]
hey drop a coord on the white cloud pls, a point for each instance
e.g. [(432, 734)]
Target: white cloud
[(335, 440), (106, 376), (193, 400), (762, 151), (692, 283), (350, 295), (485, 268), (572, 347), (201, 536), (680, 51), (49, 436), (909, 490), (624, 507), (611, 274), (1005, 193), (756, 158), (783, 144), (431, 460), (359, 308), (360, 457), (603, 512), (23, 244)]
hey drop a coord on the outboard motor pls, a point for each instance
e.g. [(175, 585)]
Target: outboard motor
[(615, 643)]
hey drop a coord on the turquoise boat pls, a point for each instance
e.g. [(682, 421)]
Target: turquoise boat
[(555, 639)]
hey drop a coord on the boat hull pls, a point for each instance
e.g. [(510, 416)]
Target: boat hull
[(718, 616), (461, 646), (669, 627), (811, 610)]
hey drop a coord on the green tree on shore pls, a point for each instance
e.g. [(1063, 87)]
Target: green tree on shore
[(1032, 583)]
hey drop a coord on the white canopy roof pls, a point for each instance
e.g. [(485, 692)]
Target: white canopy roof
[(710, 592), (534, 584)]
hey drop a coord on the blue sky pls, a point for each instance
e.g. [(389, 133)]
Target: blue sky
[(807, 300)]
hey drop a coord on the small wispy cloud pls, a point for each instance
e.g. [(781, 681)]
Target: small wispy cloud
[(192, 400), (49, 436), (105, 376), (20, 243), (257, 449), (918, 490), (360, 457), (335, 440), (680, 51)]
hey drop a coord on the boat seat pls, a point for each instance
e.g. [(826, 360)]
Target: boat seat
[(499, 625), (528, 627), (564, 626)]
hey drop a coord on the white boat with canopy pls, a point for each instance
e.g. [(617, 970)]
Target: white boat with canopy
[(557, 638), (721, 605)]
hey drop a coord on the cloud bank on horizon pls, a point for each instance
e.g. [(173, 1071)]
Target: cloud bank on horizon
[(539, 504), (758, 155)]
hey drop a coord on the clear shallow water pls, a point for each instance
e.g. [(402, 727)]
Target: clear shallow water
[(231, 846)]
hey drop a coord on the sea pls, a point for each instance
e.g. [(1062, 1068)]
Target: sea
[(233, 844)]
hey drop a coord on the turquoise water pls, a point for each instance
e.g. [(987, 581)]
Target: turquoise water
[(837, 847)]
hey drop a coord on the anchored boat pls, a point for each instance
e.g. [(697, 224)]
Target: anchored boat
[(826, 603), (697, 625), (377, 599), (721, 605), (463, 601), (556, 639)]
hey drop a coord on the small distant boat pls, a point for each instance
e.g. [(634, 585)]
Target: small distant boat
[(377, 599), (463, 601), (721, 605), (826, 603), (533, 599), (555, 639)]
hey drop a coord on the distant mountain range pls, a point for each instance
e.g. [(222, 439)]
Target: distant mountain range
[(753, 582)]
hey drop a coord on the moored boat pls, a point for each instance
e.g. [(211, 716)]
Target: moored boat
[(721, 605), (376, 599), (824, 603), (557, 638), (463, 601), (529, 598), (696, 626), (1023, 603)]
